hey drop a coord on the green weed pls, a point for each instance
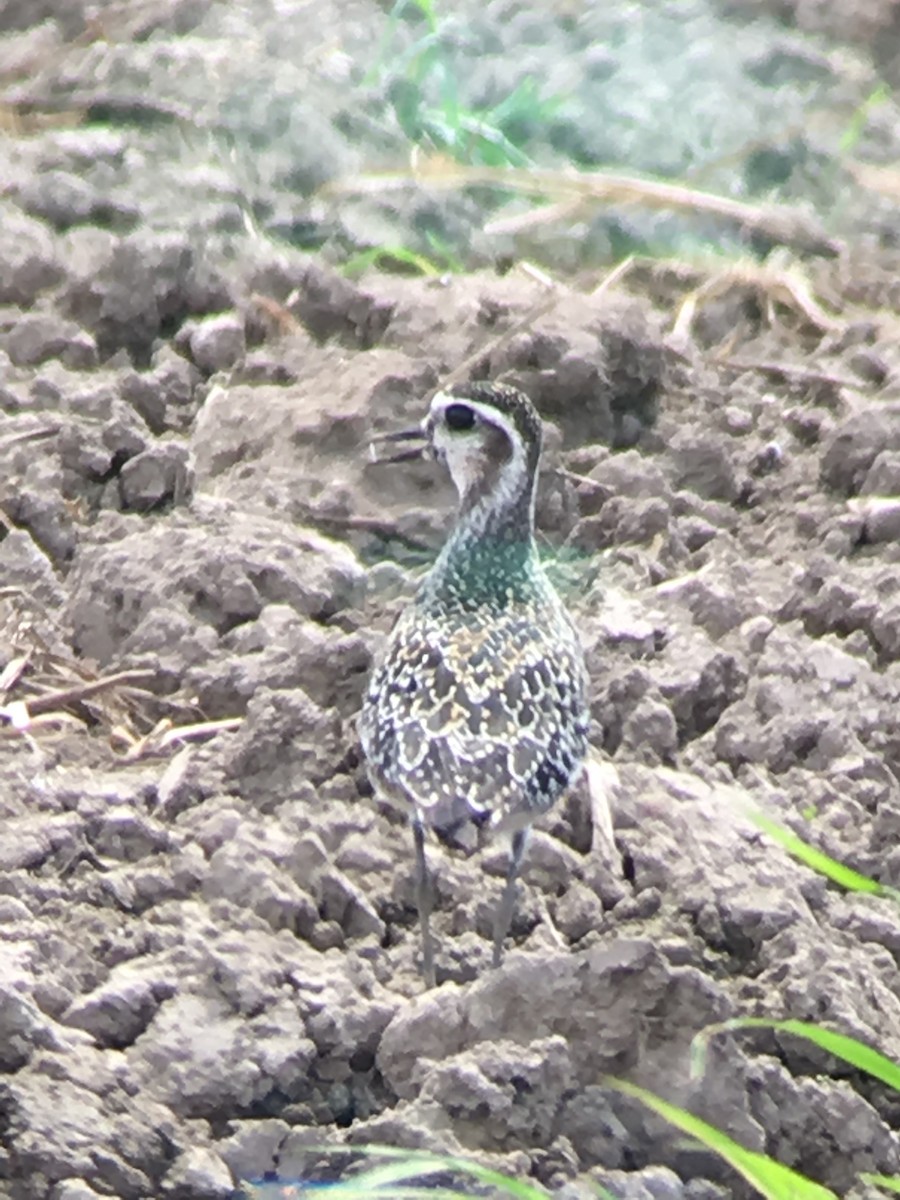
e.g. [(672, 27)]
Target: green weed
[(888, 1183), (400, 1176), (860, 118), (770, 1178), (848, 1049), (425, 98), (819, 861), (397, 259)]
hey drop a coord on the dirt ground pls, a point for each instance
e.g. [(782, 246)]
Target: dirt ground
[(208, 945)]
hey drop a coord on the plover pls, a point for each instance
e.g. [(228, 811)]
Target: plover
[(476, 710)]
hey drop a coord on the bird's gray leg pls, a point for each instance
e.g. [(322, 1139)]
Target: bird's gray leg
[(424, 903), (503, 916)]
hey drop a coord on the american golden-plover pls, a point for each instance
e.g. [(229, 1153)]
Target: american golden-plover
[(476, 710)]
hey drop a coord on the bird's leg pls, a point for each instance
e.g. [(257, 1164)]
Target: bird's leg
[(503, 916), (424, 903)]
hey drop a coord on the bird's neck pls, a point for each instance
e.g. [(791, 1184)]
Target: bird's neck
[(490, 557)]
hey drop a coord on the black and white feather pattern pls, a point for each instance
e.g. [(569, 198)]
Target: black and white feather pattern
[(476, 710), (468, 718)]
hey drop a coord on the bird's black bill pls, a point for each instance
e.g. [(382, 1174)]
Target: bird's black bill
[(376, 455)]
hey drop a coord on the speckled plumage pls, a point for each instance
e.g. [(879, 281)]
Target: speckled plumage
[(476, 709), (478, 713)]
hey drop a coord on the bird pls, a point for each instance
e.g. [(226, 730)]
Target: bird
[(475, 714)]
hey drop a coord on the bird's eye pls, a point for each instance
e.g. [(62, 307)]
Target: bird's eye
[(459, 416)]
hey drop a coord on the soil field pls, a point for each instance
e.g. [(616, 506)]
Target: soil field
[(209, 949)]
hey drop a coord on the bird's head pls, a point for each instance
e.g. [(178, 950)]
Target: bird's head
[(488, 435)]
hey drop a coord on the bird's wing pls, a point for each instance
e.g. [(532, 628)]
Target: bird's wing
[(484, 721)]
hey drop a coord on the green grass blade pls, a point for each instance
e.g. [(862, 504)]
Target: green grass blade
[(770, 1178), (889, 1183), (497, 149), (818, 860), (387, 1179), (397, 259), (417, 62), (519, 1189), (363, 1191), (449, 92), (429, 12), (390, 31), (439, 132), (860, 118), (848, 1049), (443, 253), (389, 1175), (524, 105), (384, 1180)]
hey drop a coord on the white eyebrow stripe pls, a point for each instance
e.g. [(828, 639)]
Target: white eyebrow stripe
[(443, 400), (514, 471)]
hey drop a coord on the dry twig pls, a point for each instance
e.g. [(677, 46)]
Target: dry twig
[(885, 181), (165, 735), (281, 318), (62, 698), (781, 225), (28, 435), (44, 688), (772, 285), (789, 371)]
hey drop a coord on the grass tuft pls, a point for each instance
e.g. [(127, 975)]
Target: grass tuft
[(819, 861), (425, 98), (400, 1176), (847, 1049), (771, 1179), (888, 1183)]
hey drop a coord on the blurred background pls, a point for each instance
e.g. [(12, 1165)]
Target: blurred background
[(375, 134)]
